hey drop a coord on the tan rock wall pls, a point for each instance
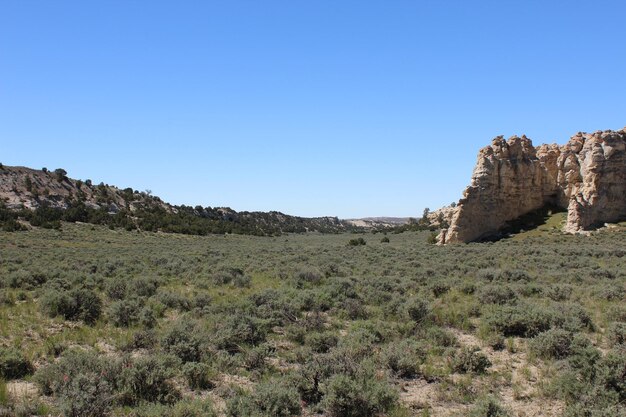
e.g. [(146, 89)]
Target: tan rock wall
[(586, 176)]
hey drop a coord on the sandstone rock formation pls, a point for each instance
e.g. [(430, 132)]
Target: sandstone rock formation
[(586, 176)]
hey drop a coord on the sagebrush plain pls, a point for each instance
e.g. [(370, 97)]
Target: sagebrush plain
[(95, 321)]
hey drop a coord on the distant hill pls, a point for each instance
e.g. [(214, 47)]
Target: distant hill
[(378, 222), (45, 198)]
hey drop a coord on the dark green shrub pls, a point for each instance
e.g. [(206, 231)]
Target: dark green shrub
[(147, 317), (611, 375), (271, 398), (13, 364), (552, 344), (77, 304), (199, 375), (6, 298), (384, 240), (307, 276), (488, 407), (147, 378), (242, 281), (242, 405), (470, 360), (418, 309), (116, 288), (202, 301), (617, 313), (514, 275), (560, 292), (358, 396), (239, 330), (616, 334), (439, 288), (60, 174), (25, 279), (611, 292), (496, 294), (520, 320), (404, 358), (357, 242), (124, 313), (143, 286), (321, 342), (440, 337), (183, 340), (142, 339), (354, 309), (85, 395), (174, 300), (276, 398), (468, 288), (226, 275), (254, 358), (183, 408), (572, 317), (82, 383)]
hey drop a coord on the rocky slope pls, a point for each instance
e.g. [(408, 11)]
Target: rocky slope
[(53, 196), (586, 177), (22, 187)]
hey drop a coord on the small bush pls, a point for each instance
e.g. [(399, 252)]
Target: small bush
[(199, 375), (560, 292), (254, 358), (384, 240), (307, 276), (78, 304), (616, 334), (496, 294), (358, 396), (488, 407), (116, 288), (13, 364), (82, 383), (147, 378), (404, 358), (418, 309), (357, 242), (439, 288), (321, 342), (552, 344), (470, 360), (242, 281), (143, 286), (572, 317), (271, 398), (440, 337), (184, 341), (226, 275), (238, 330), (142, 339), (275, 398), (519, 320), (123, 313)]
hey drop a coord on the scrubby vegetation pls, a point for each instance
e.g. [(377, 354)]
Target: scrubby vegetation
[(96, 322)]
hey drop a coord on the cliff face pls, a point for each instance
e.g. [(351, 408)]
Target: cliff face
[(586, 176)]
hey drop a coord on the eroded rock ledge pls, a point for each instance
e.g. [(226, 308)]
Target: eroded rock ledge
[(586, 176)]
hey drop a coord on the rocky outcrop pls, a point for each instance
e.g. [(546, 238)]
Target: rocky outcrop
[(22, 187), (586, 177)]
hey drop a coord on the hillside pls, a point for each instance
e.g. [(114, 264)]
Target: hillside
[(44, 198)]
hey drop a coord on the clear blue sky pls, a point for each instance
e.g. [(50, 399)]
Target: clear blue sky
[(347, 108)]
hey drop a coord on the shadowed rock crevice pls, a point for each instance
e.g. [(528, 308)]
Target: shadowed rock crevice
[(586, 177)]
